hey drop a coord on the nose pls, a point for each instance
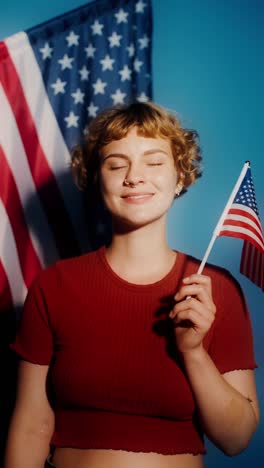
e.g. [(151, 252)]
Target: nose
[(134, 175)]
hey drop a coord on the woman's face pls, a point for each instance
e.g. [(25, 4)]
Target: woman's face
[(137, 179)]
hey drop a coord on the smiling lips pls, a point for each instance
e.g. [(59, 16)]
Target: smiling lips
[(137, 197)]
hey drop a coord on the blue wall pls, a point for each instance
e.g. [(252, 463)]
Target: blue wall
[(208, 66)]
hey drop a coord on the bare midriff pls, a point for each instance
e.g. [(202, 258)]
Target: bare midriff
[(73, 458)]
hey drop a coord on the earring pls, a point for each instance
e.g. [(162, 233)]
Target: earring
[(178, 189)]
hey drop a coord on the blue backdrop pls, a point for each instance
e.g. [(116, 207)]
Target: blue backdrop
[(208, 66)]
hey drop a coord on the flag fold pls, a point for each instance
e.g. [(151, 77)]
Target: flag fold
[(54, 78)]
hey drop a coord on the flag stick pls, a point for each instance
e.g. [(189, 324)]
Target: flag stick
[(222, 217)]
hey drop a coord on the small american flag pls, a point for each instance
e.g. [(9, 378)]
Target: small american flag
[(54, 78), (242, 220)]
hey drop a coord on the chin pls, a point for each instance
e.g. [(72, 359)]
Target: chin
[(121, 224)]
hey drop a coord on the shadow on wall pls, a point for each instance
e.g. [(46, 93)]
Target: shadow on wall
[(97, 227)]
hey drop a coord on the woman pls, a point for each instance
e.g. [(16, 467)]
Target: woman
[(129, 356)]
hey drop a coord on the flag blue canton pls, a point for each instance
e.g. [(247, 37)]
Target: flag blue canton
[(94, 57), (246, 193)]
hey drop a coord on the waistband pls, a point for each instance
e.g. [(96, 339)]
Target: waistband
[(100, 429)]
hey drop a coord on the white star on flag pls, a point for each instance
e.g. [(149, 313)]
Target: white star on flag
[(241, 220), (79, 64), (140, 6), (92, 110), (90, 50), (97, 28), (114, 39), (66, 62), (78, 96), (107, 63), (125, 73), (46, 51), (99, 86), (121, 16), (72, 120), (143, 42), (72, 39), (59, 86), (142, 98), (137, 64), (131, 50), (118, 97), (84, 72)]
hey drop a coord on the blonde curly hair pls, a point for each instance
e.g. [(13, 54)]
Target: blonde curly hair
[(151, 121)]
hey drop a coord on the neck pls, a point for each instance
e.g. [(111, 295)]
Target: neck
[(141, 254), (140, 243)]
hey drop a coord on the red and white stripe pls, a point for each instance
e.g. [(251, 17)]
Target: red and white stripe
[(37, 210), (15, 172), (252, 264), (11, 271), (242, 222)]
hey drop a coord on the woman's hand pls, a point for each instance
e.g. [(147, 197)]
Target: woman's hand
[(193, 313)]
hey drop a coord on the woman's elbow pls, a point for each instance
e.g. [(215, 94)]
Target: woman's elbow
[(234, 449), (231, 448)]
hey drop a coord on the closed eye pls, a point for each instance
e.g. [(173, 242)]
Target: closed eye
[(115, 168)]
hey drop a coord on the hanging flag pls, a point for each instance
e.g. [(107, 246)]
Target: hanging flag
[(240, 219), (54, 78)]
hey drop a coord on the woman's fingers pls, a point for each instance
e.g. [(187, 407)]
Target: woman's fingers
[(194, 304), (202, 280), (193, 318), (193, 290), (194, 311), (198, 286)]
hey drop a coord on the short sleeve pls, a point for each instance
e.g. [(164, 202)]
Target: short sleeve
[(34, 339), (231, 345)]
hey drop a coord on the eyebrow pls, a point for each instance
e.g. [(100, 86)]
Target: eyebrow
[(146, 153)]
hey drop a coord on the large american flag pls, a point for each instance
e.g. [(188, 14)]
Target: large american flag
[(242, 220), (54, 78)]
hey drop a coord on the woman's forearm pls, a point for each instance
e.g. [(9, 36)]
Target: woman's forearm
[(227, 416), (27, 449)]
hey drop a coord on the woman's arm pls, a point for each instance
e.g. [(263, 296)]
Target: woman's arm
[(32, 423), (227, 403)]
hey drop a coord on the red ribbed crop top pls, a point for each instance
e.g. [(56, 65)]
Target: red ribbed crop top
[(115, 377)]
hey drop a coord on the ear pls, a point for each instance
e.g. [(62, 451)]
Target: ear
[(178, 189)]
